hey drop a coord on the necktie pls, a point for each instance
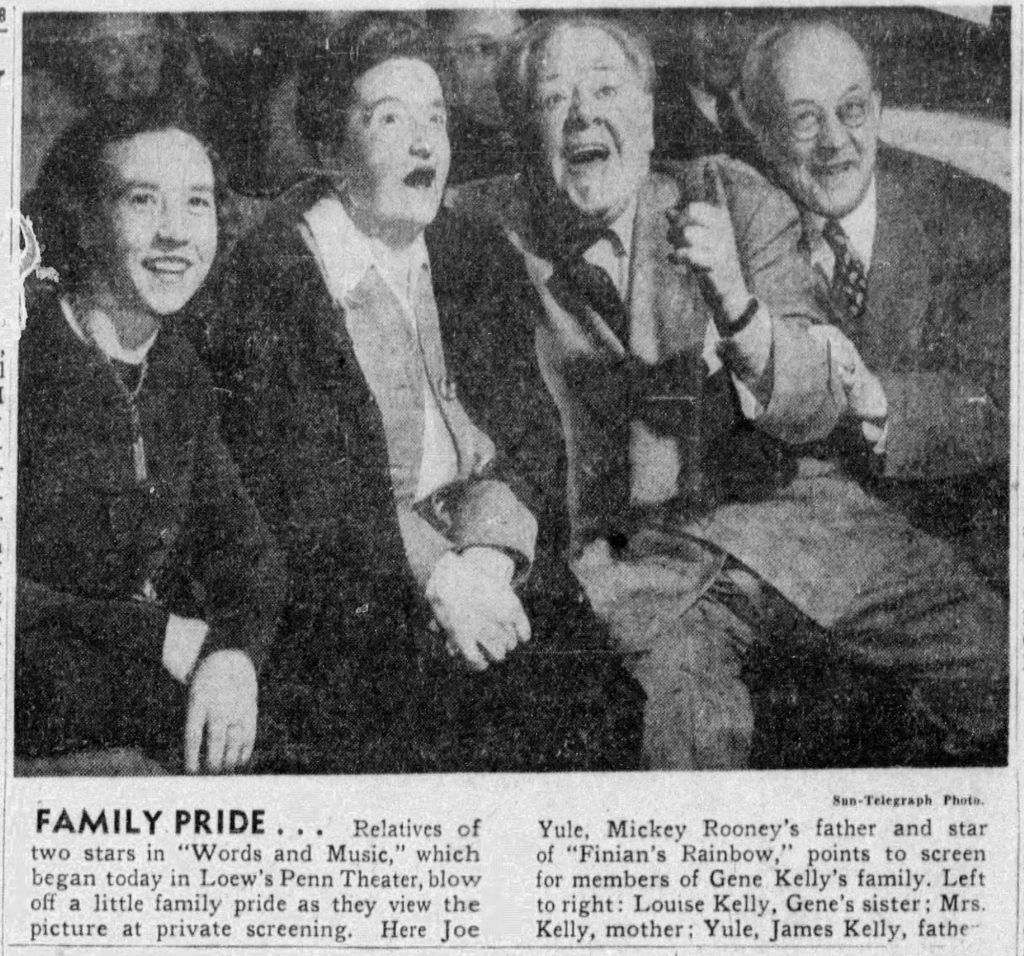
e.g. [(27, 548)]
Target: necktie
[(849, 280), (576, 282)]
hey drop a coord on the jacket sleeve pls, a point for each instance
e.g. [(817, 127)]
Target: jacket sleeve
[(238, 565), (45, 614), (803, 399)]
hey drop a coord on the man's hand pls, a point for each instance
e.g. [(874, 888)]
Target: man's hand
[(703, 238), (221, 709), (473, 601), (865, 396)]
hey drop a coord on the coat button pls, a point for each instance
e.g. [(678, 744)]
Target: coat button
[(448, 389)]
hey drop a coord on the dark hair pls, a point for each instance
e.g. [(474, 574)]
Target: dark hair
[(71, 181), (517, 77), (327, 76)]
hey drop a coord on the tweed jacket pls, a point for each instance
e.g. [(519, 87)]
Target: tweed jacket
[(937, 324), (816, 535), (90, 535)]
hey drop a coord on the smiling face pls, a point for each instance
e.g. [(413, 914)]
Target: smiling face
[(395, 152), (156, 228), (594, 120), (823, 135)]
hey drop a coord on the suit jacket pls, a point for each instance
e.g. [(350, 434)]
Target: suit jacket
[(90, 535), (682, 132), (818, 537), (937, 323), (363, 681), (937, 333)]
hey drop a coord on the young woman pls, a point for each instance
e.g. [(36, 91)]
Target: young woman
[(148, 588)]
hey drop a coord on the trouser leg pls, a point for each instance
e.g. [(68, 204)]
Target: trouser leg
[(688, 661), (72, 698), (931, 619)]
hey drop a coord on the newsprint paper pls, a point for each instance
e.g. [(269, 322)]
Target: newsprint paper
[(504, 479)]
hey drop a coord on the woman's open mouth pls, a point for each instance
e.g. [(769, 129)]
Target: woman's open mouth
[(421, 178)]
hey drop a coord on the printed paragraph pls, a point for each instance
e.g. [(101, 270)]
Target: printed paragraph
[(847, 878)]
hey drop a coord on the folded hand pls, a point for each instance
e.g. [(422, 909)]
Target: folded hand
[(473, 601)]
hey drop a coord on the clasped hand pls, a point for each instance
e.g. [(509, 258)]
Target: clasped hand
[(473, 602)]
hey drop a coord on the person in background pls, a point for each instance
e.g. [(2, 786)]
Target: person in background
[(405, 632), (916, 256), (665, 316), (475, 41), (148, 586), (95, 59), (697, 107)]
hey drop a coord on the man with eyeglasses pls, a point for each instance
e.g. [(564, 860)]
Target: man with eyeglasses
[(917, 259)]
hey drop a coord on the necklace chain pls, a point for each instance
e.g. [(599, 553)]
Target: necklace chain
[(131, 396)]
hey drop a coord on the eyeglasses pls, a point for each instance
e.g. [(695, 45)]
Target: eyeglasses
[(807, 124)]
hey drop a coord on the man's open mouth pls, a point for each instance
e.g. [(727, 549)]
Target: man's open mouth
[(167, 266), (421, 178), (835, 169), (586, 154)]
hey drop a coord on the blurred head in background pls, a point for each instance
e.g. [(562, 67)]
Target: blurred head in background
[(475, 41)]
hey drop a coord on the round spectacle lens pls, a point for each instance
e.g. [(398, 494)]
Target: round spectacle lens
[(806, 126)]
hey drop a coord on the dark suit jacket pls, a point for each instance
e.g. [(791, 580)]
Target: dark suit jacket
[(362, 678), (937, 332), (683, 132), (937, 325)]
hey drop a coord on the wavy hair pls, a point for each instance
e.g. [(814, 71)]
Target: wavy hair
[(71, 183), (327, 77)]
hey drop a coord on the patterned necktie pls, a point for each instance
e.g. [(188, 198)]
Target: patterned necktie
[(576, 281), (849, 280)]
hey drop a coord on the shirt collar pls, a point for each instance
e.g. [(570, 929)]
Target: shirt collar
[(346, 254), (706, 103), (859, 226), (98, 328)]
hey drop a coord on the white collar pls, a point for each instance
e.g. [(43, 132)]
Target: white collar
[(347, 254), (98, 328), (859, 226), (706, 103)]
